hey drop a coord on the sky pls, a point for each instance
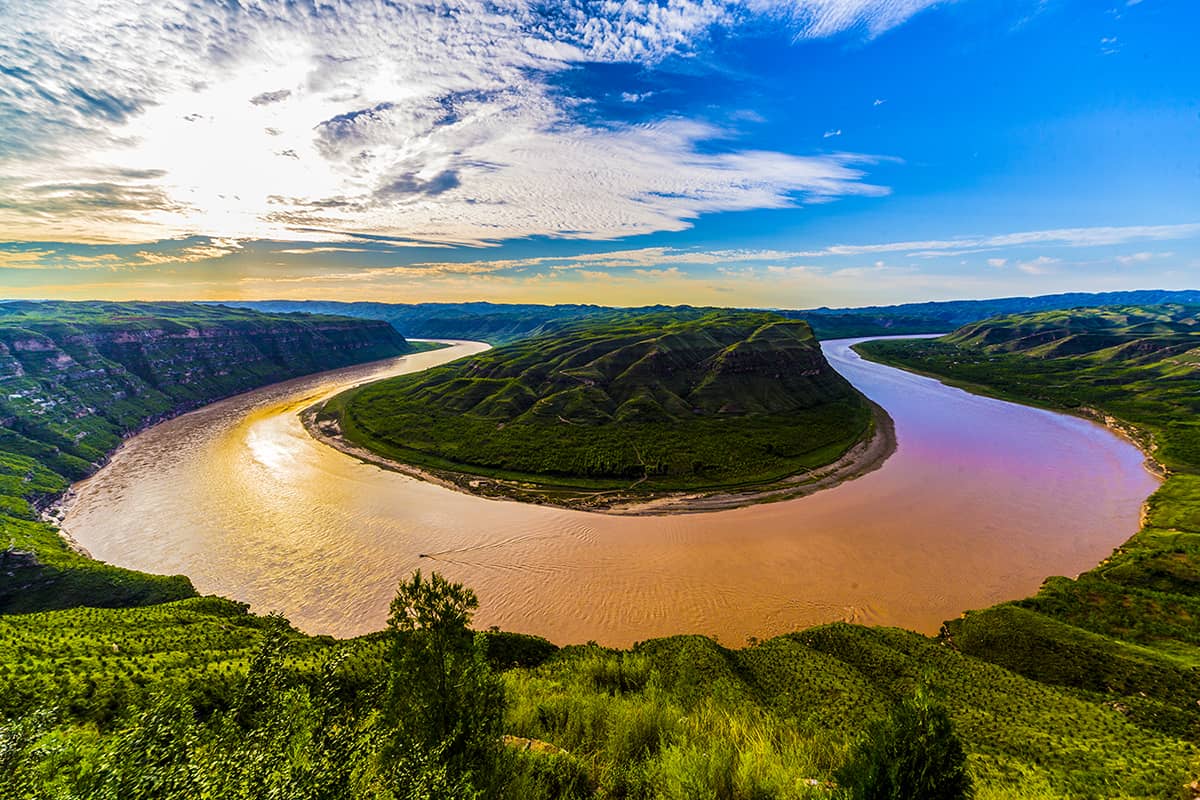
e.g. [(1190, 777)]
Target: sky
[(791, 154)]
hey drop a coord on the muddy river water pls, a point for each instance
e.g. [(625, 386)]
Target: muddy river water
[(980, 502)]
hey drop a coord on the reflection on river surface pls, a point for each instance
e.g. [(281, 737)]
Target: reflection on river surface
[(981, 501)]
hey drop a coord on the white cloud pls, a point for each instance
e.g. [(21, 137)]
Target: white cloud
[(1063, 237), (817, 18), (25, 259), (831, 133), (1038, 266), (723, 259), (1142, 257), (135, 122), (216, 248)]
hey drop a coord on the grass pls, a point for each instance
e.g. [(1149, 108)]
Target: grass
[(1126, 631), (686, 400), (1086, 690), (677, 717)]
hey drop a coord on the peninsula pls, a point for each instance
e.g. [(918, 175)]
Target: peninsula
[(681, 410)]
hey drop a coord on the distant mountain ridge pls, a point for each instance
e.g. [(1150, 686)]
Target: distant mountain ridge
[(1120, 333), (498, 323)]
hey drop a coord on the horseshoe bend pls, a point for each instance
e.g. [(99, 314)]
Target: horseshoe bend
[(636, 413), (595, 400), (272, 516)]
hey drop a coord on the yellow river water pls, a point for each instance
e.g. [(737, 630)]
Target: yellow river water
[(981, 501)]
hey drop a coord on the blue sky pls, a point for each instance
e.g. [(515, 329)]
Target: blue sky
[(794, 153)]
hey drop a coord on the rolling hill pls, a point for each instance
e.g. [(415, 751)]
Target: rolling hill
[(1126, 630), (500, 323), (1087, 689), (687, 399)]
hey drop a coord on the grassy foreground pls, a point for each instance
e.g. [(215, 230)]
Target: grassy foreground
[(1087, 690), (665, 401)]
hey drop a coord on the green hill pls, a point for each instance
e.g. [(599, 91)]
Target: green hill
[(500, 323), (1086, 690), (687, 399)]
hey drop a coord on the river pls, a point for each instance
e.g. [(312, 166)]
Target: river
[(980, 502)]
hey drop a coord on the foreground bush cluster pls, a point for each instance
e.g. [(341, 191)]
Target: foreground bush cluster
[(422, 712)]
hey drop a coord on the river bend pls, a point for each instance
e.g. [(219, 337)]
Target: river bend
[(980, 502)]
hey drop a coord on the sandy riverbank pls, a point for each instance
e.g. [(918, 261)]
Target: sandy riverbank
[(863, 457)]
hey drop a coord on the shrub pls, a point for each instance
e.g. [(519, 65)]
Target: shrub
[(912, 753)]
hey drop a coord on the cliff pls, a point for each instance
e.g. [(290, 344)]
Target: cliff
[(75, 378)]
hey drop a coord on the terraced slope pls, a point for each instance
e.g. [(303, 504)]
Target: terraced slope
[(77, 377), (1087, 690), (771, 720), (688, 399)]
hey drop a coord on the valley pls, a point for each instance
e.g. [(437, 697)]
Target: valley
[(1086, 683)]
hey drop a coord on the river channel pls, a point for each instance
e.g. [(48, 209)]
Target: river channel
[(981, 501)]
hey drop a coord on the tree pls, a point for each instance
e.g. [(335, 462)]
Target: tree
[(912, 753), (445, 704)]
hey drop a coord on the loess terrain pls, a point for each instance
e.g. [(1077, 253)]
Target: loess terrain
[(1089, 689), (663, 401), (501, 323), (77, 377)]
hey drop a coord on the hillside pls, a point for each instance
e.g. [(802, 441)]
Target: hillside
[(1125, 630), (1085, 690), (689, 399), (497, 323), (500, 323), (676, 718), (1135, 363), (77, 377), (942, 316)]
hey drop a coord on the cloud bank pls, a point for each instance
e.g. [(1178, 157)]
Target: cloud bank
[(310, 121)]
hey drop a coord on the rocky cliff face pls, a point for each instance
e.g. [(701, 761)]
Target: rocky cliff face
[(77, 377)]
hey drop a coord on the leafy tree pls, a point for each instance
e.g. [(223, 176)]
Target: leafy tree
[(19, 755), (912, 753), (445, 704)]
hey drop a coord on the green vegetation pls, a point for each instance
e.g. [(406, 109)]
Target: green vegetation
[(1087, 690), (75, 378), (657, 402), (913, 752), (1125, 632), (243, 706)]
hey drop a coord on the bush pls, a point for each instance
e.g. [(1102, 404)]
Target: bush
[(912, 753)]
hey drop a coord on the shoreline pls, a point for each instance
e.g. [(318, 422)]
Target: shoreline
[(53, 509), (1141, 439), (861, 458)]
